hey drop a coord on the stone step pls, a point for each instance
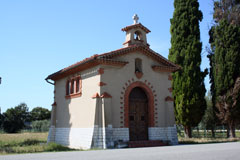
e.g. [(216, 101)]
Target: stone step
[(150, 143)]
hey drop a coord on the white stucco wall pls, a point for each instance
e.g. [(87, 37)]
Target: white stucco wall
[(80, 111), (116, 78), (78, 120)]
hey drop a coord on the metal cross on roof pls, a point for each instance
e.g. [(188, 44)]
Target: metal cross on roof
[(135, 18)]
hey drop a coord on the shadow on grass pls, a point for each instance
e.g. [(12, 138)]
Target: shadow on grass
[(52, 147), (207, 141)]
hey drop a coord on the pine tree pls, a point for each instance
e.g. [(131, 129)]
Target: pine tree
[(224, 62), (188, 83)]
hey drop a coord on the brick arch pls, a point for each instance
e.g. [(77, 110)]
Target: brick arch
[(150, 96)]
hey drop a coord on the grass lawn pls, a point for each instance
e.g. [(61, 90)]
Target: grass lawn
[(27, 143)]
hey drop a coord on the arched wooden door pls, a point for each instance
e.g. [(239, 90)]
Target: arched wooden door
[(138, 115)]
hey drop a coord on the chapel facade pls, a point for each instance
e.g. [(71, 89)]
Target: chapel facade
[(116, 98)]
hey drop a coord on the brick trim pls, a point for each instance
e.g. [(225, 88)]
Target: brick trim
[(101, 84), (139, 74), (150, 96), (139, 25), (96, 95), (170, 89), (168, 98), (100, 71), (72, 89), (73, 95), (170, 77)]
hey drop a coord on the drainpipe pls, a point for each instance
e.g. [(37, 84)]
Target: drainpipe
[(47, 80), (52, 131)]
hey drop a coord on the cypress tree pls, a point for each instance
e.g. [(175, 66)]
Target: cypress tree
[(188, 83), (224, 62)]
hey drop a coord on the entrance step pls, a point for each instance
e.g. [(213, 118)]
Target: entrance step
[(150, 143)]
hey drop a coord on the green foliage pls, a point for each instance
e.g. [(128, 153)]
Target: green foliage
[(188, 83), (41, 126), (14, 118), (226, 67), (224, 61), (40, 113), (56, 147), (209, 120), (1, 121)]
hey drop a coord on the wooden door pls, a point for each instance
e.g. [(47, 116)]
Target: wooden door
[(138, 116)]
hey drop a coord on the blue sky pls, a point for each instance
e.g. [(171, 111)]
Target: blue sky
[(40, 37)]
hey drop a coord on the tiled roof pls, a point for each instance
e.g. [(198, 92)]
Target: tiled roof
[(106, 59)]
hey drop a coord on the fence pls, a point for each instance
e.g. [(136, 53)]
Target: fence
[(201, 132)]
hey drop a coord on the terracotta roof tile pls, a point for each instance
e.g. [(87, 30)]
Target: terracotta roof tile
[(139, 25), (106, 59)]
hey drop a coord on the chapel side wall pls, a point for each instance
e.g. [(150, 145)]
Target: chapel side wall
[(77, 112), (117, 79)]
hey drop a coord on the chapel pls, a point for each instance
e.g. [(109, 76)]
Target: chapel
[(117, 99)]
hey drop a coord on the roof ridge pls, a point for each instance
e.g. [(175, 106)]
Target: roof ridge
[(109, 55)]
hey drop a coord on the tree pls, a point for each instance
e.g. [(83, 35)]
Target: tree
[(41, 126), (209, 120), (224, 62), (40, 113), (188, 83), (1, 120), (14, 118)]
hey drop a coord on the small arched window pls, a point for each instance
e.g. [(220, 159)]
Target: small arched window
[(74, 87), (138, 65), (68, 87), (137, 36), (78, 84)]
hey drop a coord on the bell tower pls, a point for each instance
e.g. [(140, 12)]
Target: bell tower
[(136, 33)]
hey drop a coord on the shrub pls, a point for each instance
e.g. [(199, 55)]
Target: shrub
[(41, 126)]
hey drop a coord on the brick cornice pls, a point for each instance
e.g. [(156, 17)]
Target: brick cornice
[(96, 95), (106, 95), (100, 71), (83, 65), (138, 25), (106, 59)]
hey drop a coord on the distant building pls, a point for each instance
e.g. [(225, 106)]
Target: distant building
[(120, 97)]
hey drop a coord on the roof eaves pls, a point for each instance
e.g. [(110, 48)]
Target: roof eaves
[(139, 25)]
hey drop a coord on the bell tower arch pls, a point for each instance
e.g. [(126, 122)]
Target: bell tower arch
[(136, 33)]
